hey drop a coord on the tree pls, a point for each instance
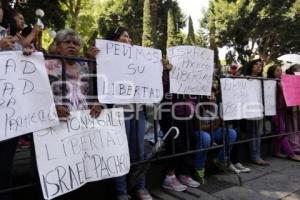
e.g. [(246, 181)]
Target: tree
[(82, 16), (173, 35), (54, 20), (154, 18), (127, 13), (190, 39), (171, 30), (73, 7), (252, 27), (147, 39), (162, 22)]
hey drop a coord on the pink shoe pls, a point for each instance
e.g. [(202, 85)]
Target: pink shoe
[(172, 183)]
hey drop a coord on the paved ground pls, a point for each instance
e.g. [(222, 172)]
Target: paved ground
[(281, 180)]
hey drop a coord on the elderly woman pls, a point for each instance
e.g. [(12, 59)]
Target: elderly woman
[(71, 95)]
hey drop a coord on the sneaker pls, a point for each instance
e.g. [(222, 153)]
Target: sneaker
[(243, 169), (199, 174), (232, 168), (220, 165), (143, 194), (260, 162), (123, 197), (172, 183), (188, 181)]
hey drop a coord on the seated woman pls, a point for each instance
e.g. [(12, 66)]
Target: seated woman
[(210, 125), (71, 94)]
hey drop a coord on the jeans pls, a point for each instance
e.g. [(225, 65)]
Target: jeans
[(254, 129), (136, 148), (204, 141), (231, 138)]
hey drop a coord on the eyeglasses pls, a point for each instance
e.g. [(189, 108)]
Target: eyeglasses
[(258, 63)]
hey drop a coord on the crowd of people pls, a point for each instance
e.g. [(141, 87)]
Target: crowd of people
[(183, 171)]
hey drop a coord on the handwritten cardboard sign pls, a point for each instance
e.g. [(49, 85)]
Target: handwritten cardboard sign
[(291, 89), (241, 98), (192, 71), (81, 150), (270, 97), (128, 74), (26, 101)]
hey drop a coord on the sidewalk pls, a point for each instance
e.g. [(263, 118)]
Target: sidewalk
[(281, 180)]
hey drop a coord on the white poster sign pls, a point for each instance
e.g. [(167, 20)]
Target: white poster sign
[(81, 150), (26, 100), (192, 71), (128, 74), (270, 97), (241, 98)]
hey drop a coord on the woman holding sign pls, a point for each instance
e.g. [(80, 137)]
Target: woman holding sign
[(254, 127), (281, 143), (135, 129), (292, 123), (8, 147), (70, 94)]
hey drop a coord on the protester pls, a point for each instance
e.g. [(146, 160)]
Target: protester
[(254, 127), (280, 143), (235, 157), (8, 147), (135, 127), (182, 166), (71, 95), (292, 117), (210, 127)]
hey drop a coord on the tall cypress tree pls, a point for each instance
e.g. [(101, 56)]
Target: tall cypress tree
[(190, 39), (147, 25), (171, 31)]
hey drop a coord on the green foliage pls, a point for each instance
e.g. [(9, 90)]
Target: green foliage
[(162, 24), (174, 37), (252, 27), (127, 13), (147, 39), (94, 18), (82, 17), (54, 20)]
